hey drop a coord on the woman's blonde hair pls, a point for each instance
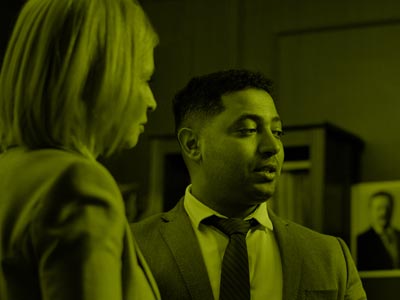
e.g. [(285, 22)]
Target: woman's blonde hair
[(69, 74)]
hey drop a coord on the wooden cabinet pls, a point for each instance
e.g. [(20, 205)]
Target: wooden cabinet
[(321, 163), (168, 174)]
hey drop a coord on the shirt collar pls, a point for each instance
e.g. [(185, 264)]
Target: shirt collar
[(383, 231), (198, 211)]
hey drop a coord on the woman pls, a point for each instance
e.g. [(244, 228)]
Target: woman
[(73, 85)]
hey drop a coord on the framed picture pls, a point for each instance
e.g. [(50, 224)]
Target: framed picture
[(375, 228)]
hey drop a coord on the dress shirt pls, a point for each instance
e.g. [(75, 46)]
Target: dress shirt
[(265, 265)]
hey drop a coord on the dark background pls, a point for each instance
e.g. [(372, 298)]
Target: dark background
[(332, 61)]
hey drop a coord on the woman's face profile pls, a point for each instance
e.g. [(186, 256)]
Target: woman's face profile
[(144, 99)]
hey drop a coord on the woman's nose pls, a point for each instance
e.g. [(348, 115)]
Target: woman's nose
[(151, 103)]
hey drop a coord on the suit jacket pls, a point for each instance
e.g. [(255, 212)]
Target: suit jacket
[(371, 252), (314, 266), (63, 231)]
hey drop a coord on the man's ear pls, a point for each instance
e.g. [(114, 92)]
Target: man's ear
[(189, 141)]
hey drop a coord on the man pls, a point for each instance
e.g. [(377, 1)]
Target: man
[(230, 135), (378, 248)]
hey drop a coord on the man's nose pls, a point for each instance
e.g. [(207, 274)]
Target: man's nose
[(269, 143)]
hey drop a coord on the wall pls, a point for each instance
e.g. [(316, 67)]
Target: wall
[(203, 36), (8, 14), (194, 40), (331, 60), (348, 76), (199, 36)]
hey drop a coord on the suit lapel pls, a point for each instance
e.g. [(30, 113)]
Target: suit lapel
[(181, 239), (290, 256)]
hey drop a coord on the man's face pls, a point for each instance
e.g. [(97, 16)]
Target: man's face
[(241, 150), (381, 211)]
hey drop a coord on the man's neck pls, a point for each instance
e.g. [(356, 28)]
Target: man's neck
[(235, 212), (225, 208)]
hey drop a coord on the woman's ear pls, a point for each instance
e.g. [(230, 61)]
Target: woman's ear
[(189, 141)]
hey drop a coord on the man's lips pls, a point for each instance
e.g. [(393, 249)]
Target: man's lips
[(266, 173), (270, 168)]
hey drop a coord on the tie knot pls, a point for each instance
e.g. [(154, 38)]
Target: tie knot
[(230, 226)]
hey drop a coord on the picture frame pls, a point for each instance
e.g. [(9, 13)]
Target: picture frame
[(375, 252)]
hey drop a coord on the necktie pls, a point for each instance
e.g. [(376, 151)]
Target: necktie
[(235, 279)]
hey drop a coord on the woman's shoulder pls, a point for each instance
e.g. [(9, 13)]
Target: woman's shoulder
[(79, 171), (56, 167), (78, 181)]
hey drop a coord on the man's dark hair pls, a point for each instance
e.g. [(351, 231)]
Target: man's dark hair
[(202, 95), (388, 195)]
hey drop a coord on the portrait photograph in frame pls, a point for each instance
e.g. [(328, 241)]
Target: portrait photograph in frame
[(375, 228)]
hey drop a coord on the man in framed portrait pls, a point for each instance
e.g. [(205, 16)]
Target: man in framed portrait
[(378, 248)]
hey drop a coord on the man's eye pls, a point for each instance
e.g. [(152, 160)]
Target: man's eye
[(246, 131), (277, 133)]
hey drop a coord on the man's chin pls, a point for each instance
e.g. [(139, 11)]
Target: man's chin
[(262, 194)]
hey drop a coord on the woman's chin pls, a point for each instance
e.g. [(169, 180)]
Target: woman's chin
[(133, 138), (132, 141)]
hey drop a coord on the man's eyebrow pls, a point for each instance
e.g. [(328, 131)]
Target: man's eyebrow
[(255, 118)]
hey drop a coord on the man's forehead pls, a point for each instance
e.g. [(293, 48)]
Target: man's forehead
[(380, 201), (250, 104), (248, 98)]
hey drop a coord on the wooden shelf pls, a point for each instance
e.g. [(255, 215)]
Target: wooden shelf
[(296, 165)]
